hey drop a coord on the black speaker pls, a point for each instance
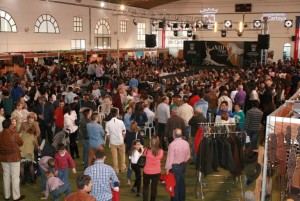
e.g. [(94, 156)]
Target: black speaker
[(175, 33), (150, 40), (263, 41), (194, 37), (161, 24), (293, 38)]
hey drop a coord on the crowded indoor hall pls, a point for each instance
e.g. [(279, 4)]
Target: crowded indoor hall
[(150, 100)]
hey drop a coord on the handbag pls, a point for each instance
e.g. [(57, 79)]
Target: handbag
[(142, 160)]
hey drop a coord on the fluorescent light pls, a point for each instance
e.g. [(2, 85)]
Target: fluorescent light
[(102, 4), (122, 7), (216, 27), (241, 27)]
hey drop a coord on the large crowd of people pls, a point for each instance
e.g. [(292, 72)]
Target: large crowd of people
[(89, 101)]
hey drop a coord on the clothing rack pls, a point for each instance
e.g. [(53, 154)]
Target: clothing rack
[(226, 179)]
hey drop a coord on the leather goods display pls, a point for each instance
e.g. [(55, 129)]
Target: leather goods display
[(288, 137), (296, 176), (291, 166), (272, 148), (281, 153)]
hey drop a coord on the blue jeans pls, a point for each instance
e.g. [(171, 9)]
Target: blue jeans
[(85, 153), (63, 174), (179, 174), (187, 133), (129, 170), (66, 189), (253, 138)]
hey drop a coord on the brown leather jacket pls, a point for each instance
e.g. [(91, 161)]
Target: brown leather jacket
[(80, 195), (10, 142)]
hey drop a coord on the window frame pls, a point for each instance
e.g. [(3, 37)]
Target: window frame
[(9, 20), (77, 24), (49, 20)]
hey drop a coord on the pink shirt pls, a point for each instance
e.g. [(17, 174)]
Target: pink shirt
[(153, 163), (179, 152)]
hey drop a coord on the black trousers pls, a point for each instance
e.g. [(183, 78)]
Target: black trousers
[(138, 176), (73, 144), (161, 134), (46, 131), (154, 178)]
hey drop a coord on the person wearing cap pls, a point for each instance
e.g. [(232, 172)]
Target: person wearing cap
[(178, 154), (102, 176)]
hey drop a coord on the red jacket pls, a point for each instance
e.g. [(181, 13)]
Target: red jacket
[(198, 138), (170, 182), (59, 114)]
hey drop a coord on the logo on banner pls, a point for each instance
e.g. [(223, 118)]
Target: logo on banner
[(253, 47), (209, 16), (192, 49), (192, 46), (279, 17)]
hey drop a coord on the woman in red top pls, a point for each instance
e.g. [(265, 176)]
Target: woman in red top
[(152, 168)]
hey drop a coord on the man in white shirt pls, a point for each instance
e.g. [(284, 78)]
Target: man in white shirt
[(115, 128), (163, 114), (186, 112), (70, 95)]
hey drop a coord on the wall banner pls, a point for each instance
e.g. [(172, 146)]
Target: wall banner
[(221, 53)]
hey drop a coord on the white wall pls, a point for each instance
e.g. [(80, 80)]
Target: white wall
[(25, 14)]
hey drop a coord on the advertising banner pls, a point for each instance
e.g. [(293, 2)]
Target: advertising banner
[(221, 53)]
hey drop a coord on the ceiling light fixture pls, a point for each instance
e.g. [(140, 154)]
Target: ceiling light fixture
[(122, 7), (223, 33), (216, 27), (256, 24), (134, 22), (102, 4), (288, 23), (228, 24)]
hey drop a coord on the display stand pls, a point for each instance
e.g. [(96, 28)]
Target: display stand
[(278, 121)]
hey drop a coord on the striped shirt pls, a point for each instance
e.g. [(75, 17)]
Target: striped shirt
[(253, 119), (102, 175)]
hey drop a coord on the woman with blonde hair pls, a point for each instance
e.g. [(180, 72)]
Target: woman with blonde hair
[(19, 115), (31, 121), (152, 169)]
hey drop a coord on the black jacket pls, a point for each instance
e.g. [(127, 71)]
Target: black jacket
[(48, 112)]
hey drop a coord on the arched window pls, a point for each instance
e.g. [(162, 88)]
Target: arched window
[(46, 24), (7, 23), (104, 40), (287, 51), (102, 28)]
